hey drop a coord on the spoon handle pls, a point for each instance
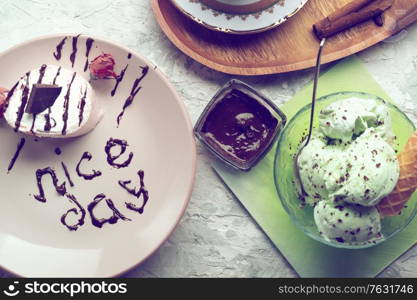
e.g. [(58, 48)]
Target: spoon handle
[(316, 79)]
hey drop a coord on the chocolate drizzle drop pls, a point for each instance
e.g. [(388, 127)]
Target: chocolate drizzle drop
[(67, 173), (48, 120), (25, 96), (58, 72), (66, 106), (58, 52), (88, 45), (58, 151), (118, 80), (41, 75), (142, 191), (81, 106), (74, 210), (60, 188), (129, 55), (111, 220), (112, 158), (33, 123), (74, 49), (16, 154), (48, 125), (135, 89), (87, 156), (9, 95)]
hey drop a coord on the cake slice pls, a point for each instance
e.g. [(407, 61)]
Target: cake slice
[(52, 102)]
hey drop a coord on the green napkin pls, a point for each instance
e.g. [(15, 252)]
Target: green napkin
[(256, 191)]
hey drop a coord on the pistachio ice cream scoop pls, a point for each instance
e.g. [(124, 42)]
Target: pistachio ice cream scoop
[(347, 168), (352, 158), (348, 118), (347, 223)]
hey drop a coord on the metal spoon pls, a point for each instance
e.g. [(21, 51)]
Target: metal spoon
[(313, 105), (313, 101)]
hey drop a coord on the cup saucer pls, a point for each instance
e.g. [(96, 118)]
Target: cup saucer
[(253, 17)]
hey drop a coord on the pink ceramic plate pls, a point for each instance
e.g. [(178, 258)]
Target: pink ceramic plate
[(33, 241)]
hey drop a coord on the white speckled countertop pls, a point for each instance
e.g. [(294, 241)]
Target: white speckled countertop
[(216, 237)]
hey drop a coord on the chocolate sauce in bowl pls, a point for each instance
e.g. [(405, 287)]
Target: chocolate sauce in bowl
[(58, 53), (66, 105), (16, 154), (76, 211), (87, 156), (111, 220), (88, 45), (74, 49), (135, 89), (67, 174), (112, 158), (141, 191), (239, 126), (60, 188), (119, 79)]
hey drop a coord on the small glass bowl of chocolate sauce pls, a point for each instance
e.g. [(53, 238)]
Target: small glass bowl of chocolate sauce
[(239, 125)]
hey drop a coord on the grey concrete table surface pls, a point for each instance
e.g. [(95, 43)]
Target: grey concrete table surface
[(216, 237)]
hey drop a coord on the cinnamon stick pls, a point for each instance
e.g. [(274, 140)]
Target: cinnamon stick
[(349, 8), (331, 26), (379, 20)]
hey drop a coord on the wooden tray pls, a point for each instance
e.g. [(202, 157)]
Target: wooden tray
[(289, 47)]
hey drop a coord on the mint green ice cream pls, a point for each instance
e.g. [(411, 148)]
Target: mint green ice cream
[(347, 223), (348, 167), (350, 157), (353, 116)]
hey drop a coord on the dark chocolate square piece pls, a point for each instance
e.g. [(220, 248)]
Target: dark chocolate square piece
[(42, 97)]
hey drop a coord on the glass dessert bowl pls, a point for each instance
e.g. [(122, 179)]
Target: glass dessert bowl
[(287, 182)]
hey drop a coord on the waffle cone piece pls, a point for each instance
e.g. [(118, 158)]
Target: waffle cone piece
[(407, 182)]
